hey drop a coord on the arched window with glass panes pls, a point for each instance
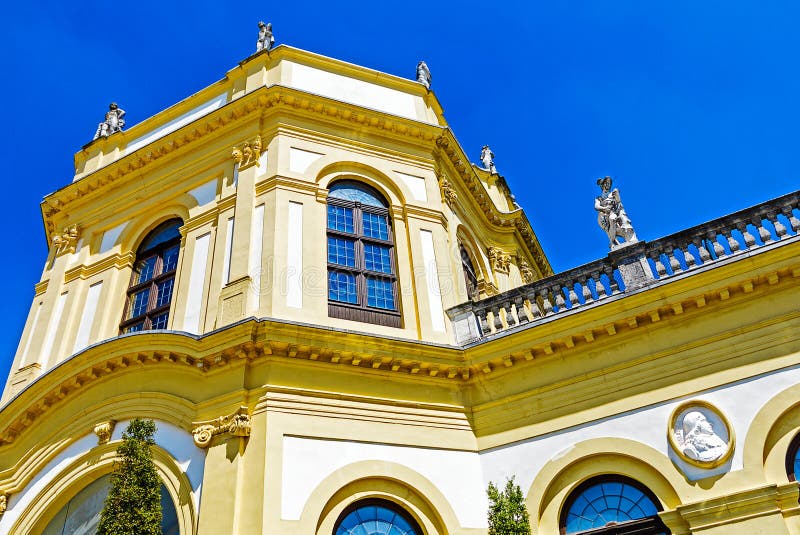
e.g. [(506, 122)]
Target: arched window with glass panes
[(362, 280), (153, 280), (374, 516), (612, 505), (793, 459)]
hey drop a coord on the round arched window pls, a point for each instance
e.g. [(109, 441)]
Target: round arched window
[(153, 279), (609, 505), (362, 278), (793, 459), (375, 517)]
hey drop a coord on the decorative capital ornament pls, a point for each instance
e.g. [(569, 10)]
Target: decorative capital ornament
[(103, 431), (525, 271), (449, 193), (237, 424), (500, 260), (700, 434), (67, 240), (248, 153), (3, 503)]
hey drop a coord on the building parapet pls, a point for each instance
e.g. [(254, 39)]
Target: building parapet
[(632, 268)]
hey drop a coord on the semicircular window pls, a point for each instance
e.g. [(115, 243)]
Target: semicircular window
[(375, 517), (609, 505), (349, 190), (793, 459)]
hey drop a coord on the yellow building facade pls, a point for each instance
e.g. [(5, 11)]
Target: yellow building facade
[(331, 313)]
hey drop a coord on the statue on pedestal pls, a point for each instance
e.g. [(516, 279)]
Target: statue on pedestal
[(611, 215), (487, 157), (423, 74), (113, 123), (265, 37)]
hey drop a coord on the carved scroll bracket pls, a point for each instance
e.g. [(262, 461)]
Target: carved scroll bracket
[(3, 503), (103, 431), (237, 424), (248, 153)]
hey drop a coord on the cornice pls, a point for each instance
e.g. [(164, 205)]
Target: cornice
[(119, 261)]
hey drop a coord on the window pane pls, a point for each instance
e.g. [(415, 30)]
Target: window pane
[(340, 218), (161, 234), (160, 321), (377, 258), (135, 328), (138, 303), (144, 270), (164, 292), (375, 226), (342, 287), (379, 294), (353, 191), (600, 504), (375, 520), (170, 259), (342, 252)]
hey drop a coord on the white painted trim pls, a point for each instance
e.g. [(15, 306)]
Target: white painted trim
[(87, 318), (254, 260), (226, 260), (197, 278), (52, 327), (432, 281), (294, 256), (110, 237)]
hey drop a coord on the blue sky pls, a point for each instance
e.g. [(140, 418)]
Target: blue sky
[(691, 106)]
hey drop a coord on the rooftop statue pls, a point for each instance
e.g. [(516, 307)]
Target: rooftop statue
[(265, 37), (115, 120), (423, 74), (611, 215), (487, 157)]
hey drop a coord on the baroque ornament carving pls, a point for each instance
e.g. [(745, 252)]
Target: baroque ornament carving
[(103, 431), (3, 503), (525, 271), (500, 260), (237, 424), (700, 434), (248, 153), (449, 192), (67, 240)]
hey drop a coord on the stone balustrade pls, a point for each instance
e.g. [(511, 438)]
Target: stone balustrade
[(631, 268)]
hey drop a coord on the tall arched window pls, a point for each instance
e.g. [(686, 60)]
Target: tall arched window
[(470, 278), (153, 280), (612, 505), (380, 517), (362, 281)]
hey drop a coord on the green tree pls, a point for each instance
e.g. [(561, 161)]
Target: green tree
[(507, 513), (133, 505)]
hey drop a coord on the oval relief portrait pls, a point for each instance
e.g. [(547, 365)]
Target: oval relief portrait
[(700, 434)]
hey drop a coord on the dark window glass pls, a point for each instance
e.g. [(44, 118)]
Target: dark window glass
[(611, 504), (375, 517), (362, 281), (793, 459), (470, 278), (153, 280)]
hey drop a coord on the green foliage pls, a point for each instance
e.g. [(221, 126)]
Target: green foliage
[(507, 513), (133, 505)]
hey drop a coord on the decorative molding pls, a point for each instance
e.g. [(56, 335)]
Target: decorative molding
[(66, 241), (449, 194), (41, 287), (116, 260), (499, 259), (237, 424), (103, 431), (248, 153), (526, 272), (3, 503)]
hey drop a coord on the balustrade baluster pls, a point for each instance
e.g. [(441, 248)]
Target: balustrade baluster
[(749, 239), (763, 231), (793, 220), (661, 270), (599, 286), (674, 264), (586, 292), (713, 239), (705, 256), (573, 296), (558, 295), (780, 229), (547, 305)]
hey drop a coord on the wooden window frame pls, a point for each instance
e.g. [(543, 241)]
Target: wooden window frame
[(361, 311), (158, 277)]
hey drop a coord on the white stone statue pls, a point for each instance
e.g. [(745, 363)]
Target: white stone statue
[(487, 157), (423, 74), (114, 122), (697, 439), (265, 37), (611, 215)]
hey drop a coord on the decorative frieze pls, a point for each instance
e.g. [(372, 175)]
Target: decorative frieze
[(237, 424), (67, 240), (248, 153), (103, 431)]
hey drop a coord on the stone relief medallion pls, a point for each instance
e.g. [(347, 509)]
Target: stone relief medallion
[(700, 434)]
